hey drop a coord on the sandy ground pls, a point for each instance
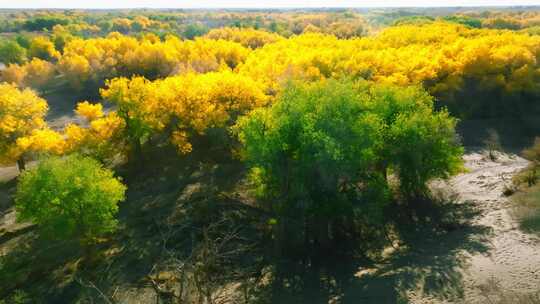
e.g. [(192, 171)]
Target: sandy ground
[(514, 256), (511, 257)]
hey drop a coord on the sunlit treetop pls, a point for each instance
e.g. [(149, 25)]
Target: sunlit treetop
[(439, 55), (248, 37), (23, 129)]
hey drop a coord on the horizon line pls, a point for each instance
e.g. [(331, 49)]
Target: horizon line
[(276, 7)]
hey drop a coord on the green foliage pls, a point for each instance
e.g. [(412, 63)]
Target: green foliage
[(318, 137), (465, 20), (194, 30), (414, 20), (17, 297), (533, 30), (502, 24), (23, 41), (11, 52), (69, 197), (60, 40), (419, 143), (44, 23), (321, 153), (310, 155), (315, 139)]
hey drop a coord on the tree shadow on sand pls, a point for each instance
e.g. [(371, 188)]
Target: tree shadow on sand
[(121, 262), (428, 263)]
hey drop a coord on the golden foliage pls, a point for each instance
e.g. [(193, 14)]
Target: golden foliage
[(42, 140), (186, 103), (89, 111), (119, 55), (42, 48), (14, 74), (101, 138), (438, 55), (247, 37), (22, 125), (36, 73)]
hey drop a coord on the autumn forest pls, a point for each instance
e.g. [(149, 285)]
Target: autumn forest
[(270, 155)]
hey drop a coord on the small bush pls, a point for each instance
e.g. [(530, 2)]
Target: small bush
[(68, 197), (529, 176), (492, 144), (533, 153)]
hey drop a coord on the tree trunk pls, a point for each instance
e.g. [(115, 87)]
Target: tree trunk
[(135, 157), (21, 164), (135, 152)]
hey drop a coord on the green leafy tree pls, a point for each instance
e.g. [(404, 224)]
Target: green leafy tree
[(12, 52), (44, 23), (310, 153), (194, 30), (23, 41), (322, 152), (69, 197), (465, 20), (419, 143)]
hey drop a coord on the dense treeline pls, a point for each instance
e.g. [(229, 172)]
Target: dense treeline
[(341, 22), (474, 72)]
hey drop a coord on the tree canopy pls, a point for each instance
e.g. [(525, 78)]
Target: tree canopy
[(70, 197)]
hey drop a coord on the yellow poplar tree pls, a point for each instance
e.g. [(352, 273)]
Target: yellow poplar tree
[(22, 126)]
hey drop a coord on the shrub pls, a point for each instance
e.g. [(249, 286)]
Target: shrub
[(533, 153), (69, 197), (530, 174), (492, 143)]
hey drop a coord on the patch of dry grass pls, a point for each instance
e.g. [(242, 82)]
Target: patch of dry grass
[(527, 209)]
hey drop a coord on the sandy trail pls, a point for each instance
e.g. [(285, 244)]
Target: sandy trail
[(512, 257)]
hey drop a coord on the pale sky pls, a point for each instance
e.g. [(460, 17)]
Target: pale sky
[(252, 3)]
